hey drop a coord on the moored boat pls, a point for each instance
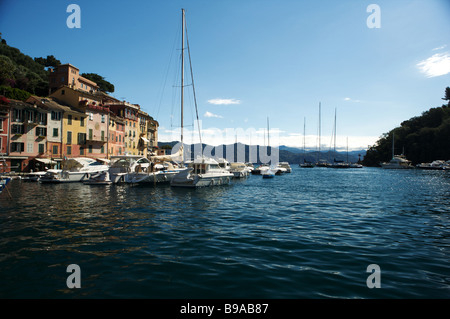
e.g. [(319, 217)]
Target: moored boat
[(202, 172), (75, 169)]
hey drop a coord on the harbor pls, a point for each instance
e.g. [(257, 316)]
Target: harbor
[(310, 233)]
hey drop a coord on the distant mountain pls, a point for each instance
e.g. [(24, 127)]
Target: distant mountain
[(245, 153)]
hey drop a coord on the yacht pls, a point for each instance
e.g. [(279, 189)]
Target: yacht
[(270, 173), (435, 165), (101, 178), (286, 166), (202, 172), (260, 169), (239, 170), (75, 169), (397, 162), (122, 166), (161, 173)]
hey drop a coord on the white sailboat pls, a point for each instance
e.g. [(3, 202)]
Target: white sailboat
[(397, 161), (202, 171), (305, 164)]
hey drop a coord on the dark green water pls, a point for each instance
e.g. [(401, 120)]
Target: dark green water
[(308, 234)]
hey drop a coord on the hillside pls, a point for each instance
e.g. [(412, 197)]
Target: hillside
[(290, 156), (421, 139)]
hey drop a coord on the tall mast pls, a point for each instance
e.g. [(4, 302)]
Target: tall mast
[(182, 79), (268, 142)]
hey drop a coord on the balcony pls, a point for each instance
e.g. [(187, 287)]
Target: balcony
[(95, 139)]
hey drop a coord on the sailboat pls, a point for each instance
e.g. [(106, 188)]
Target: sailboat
[(338, 163), (305, 164), (320, 163), (397, 161), (202, 171)]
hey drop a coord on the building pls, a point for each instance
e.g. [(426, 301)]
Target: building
[(4, 132), (129, 112), (69, 75), (94, 124), (116, 144)]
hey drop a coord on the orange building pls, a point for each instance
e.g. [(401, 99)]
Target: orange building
[(69, 75)]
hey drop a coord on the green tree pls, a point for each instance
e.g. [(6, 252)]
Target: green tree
[(103, 85)]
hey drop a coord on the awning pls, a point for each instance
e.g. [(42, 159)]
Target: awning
[(145, 140), (45, 160)]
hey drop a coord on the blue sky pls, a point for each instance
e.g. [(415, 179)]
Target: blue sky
[(253, 60)]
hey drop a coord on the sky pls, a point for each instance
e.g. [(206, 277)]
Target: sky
[(256, 63)]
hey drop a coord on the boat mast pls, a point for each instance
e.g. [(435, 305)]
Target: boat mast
[(182, 81), (318, 155)]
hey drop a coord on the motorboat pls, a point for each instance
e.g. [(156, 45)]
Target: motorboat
[(158, 173), (239, 170), (269, 173), (101, 178), (223, 163), (201, 172), (260, 169), (33, 176), (306, 164), (278, 170), (123, 166), (286, 166), (77, 169), (435, 165), (4, 182)]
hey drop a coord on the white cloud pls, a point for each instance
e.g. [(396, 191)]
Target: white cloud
[(440, 48), (224, 101), (436, 65), (209, 114), (348, 99)]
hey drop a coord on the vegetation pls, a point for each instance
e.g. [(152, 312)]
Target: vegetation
[(22, 72), (104, 85), (421, 139)]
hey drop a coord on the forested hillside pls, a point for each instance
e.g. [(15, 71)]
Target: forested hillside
[(421, 139)]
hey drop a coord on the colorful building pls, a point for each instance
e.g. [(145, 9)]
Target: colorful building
[(129, 112), (69, 75), (116, 144)]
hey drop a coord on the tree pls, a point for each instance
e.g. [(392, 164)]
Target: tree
[(49, 61), (103, 85), (447, 96)]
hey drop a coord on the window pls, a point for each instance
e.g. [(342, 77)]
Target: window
[(29, 147), (69, 150), (69, 119), (90, 148), (55, 132), (18, 115), (102, 150), (17, 147), (103, 135), (1, 124), (90, 134), (91, 116), (56, 116), (69, 137), (17, 129), (82, 121), (41, 131), (81, 138), (42, 118), (55, 149), (41, 148), (103, 118), (120, 151), (29, 116), (81, 150)]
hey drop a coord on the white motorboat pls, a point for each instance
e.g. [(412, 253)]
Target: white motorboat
[(101, 178), (286, 166), (77, 169), (122, 167), (239, 170), (435, 165), (161, 173), (202, 172)]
